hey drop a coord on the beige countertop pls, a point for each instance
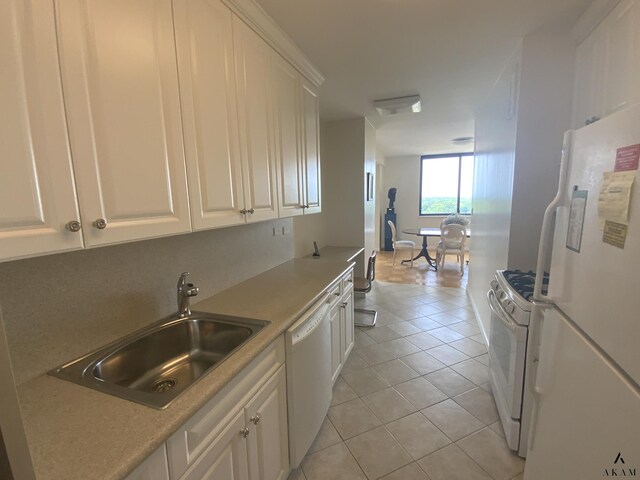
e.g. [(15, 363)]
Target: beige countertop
[(75, 432)]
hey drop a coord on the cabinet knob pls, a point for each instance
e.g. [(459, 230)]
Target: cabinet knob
[(251, 211), (100, 224), (255, 419), (243, 211), (73, 226), (244, 433), (344, 304)]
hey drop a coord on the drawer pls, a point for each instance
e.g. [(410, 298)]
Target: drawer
[(335, 292), (346, 282), (194, 437)]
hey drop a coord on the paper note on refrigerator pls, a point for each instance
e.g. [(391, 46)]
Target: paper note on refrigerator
[(615, 194)]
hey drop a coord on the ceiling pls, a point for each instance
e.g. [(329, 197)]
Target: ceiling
[(450, 52)]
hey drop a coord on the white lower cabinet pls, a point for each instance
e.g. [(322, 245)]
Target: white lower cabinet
[(342, 329), (242, 432), (268, 438), (154, 467), (226, 457)]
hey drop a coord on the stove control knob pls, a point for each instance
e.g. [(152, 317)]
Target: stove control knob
[(502, 295), (494, 284), (509, 307)]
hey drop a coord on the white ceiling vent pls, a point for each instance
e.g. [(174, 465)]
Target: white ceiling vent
[(395, 106)]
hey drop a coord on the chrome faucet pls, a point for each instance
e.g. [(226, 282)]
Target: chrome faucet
[(185, 292)]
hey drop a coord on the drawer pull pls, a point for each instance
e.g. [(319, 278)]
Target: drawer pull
[(255, 419), (244, 433)]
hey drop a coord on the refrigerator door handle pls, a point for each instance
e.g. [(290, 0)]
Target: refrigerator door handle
[(545, 241)]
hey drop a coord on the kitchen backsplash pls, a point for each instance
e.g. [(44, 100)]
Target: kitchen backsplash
[(5, 468), (58, 307)]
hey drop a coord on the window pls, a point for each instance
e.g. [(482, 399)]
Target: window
[(446, 184)]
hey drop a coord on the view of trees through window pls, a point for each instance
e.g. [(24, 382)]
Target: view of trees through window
[(446, 184)]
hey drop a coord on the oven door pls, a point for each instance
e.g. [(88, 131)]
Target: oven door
[(507, 351)]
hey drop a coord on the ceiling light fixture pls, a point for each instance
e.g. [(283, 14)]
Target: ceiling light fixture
[(395, 106), (462, 140)]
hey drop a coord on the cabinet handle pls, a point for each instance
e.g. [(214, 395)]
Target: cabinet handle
[(251, 211), (255, 419), (73, 226), (100, 224), (244, 433), (243, 211), (344, 305)]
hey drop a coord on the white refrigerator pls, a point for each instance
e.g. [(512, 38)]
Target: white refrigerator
[(585, 352)]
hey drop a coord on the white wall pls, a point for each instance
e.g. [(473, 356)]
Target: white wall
[(306, 230), (518, 143), (369, 206), (348, 153), (495, 143), (545, 106)]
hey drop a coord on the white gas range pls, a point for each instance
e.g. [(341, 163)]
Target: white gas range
[(510, 299)]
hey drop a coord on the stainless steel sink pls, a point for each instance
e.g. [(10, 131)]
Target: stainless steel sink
[(155, 365)]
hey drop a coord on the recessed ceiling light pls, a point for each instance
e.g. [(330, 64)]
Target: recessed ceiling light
[(395, 106), (462, 140)]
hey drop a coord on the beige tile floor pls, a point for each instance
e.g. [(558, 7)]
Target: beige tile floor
[(413, 402)]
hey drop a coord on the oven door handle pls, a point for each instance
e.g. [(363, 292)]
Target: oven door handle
[(496, 308), (499, 312)]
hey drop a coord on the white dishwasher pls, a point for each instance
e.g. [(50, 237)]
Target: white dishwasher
[(308, 360)]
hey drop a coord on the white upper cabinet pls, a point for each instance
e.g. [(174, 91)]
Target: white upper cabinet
[(288, 145), (607, 75), (296, 125), (120, 83), (253, 63), (311, 155), (37, 192), (208, 95), (622, 68)]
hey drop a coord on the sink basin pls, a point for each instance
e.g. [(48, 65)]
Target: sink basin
[(155, 365)]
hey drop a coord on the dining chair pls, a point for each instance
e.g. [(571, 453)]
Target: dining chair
[(363, 285), (452, 239), (400, 244)]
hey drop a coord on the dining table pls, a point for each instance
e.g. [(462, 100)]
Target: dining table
[(426, 232)]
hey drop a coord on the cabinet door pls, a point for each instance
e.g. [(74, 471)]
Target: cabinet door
[(153, 468), (37, 192), (253, 68), (622, 69), (337, 353), (290, 174), (208, 96), (311, 152), (589, 79), (266, 416), (120, 84), (347, 323), (226, 458)]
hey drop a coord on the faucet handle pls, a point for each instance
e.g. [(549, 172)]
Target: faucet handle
[(183, 279)]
